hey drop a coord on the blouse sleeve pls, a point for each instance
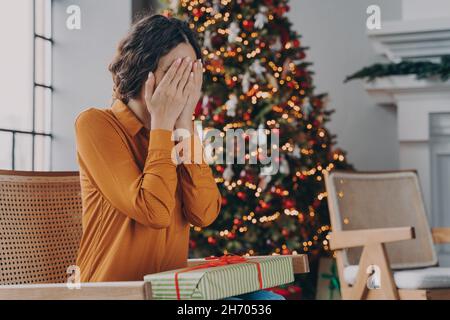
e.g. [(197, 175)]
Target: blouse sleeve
[(201, 197), (146, 196)]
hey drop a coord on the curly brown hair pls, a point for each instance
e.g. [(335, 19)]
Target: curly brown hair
[(139, 52)]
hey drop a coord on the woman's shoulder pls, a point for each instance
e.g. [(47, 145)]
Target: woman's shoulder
[(93, 117)]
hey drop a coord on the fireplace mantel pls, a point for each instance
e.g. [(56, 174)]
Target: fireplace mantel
[(406, 39), (389, 90)]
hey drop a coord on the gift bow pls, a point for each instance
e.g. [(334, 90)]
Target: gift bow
[(218, 262)]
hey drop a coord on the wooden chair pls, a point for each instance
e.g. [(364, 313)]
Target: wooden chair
[(40, 232), (40, 226), (381, 237)]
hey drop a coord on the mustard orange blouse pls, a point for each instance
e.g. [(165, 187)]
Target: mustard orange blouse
[(137, 204)]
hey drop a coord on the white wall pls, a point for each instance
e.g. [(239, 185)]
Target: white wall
[(80, 63), (335, 31), (425, 9)]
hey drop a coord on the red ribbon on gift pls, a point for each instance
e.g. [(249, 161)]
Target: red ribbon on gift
[(218, 262)]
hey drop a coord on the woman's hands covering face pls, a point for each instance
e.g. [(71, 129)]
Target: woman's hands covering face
[(193, 91), (172, 103)]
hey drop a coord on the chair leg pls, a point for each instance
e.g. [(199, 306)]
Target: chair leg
[(359, 289), (374, 255), (387, 279)]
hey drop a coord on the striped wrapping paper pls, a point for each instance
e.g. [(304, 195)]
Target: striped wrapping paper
[(222, 282)]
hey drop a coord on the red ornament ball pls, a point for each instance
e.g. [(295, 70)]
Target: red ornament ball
[(263, 204), (217, 41), (248, 25), (224, 201), (197, 13), (211, 240), (288, 203), (301, 55), (316, 203), (230, 82), (219, 118), (241, 195), (299, 72)]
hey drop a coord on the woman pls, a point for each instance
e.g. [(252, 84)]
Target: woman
[(138, 203)]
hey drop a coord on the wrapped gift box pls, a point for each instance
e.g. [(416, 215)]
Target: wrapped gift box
[(222, 278)]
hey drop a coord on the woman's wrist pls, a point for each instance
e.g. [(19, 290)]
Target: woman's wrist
[(161, 123), (185, 125)]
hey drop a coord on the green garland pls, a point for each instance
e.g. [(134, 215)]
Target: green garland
[(422, 69)]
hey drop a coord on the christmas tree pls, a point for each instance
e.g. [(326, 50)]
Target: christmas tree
[(256, 76)]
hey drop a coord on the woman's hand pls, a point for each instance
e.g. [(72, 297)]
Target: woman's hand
[(167, 101), (193, 92)]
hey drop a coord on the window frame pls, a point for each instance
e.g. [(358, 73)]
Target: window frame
[(34, 132)]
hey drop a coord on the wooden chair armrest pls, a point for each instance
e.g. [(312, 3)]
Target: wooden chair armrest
[(88, 291), (299, 262), (441, 235), (360, 238)]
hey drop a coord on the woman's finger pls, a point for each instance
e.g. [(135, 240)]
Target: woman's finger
[(192, 101), (184, 75), (194, 77), (183, 65), (170, 74), (198, 74), (149, 87), (190, 84)]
